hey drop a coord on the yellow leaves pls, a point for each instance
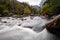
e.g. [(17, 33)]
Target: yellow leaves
[(27, 10)]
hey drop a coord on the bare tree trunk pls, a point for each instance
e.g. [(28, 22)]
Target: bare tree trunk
[(54, 25)]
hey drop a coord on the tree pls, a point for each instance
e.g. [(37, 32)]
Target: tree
[(27, 10), (51, 7)]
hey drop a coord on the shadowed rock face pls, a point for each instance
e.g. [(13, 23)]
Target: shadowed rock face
[(54, 25)]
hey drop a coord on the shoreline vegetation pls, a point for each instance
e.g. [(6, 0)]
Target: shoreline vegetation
[(49, 9)]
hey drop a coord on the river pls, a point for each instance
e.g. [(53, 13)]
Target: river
[(26, 29)]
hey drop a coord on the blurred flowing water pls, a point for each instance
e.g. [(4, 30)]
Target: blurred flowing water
[(26, 29)]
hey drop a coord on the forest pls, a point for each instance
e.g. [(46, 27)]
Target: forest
[(10, 7)]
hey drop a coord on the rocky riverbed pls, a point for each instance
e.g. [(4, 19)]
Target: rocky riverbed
[(28, 28)]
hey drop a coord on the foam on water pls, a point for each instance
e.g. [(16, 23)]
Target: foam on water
[(11, 31), (45, 35), (17, 33)]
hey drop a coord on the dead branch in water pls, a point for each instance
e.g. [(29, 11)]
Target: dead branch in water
[(54, 25)]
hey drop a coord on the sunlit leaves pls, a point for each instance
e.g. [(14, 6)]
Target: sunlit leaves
[(27, 10)]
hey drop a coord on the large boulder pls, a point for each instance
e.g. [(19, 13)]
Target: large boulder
[(53, 26)]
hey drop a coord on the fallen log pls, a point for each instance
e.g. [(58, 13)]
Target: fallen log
[(53, 25)]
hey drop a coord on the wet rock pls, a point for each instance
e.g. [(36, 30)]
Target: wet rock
[(19, 24), (28, 27), (8, 18), (54, 25), (12, 19), (23, 19), (4, 22)]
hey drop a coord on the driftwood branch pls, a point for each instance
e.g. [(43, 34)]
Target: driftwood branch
[(54, 25)]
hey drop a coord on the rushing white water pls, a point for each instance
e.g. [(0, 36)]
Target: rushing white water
[(46, 35), (35, 22), (16, 29), (17, 33)]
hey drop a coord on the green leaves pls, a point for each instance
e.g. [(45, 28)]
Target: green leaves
[(51, 7), (55, 2)]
